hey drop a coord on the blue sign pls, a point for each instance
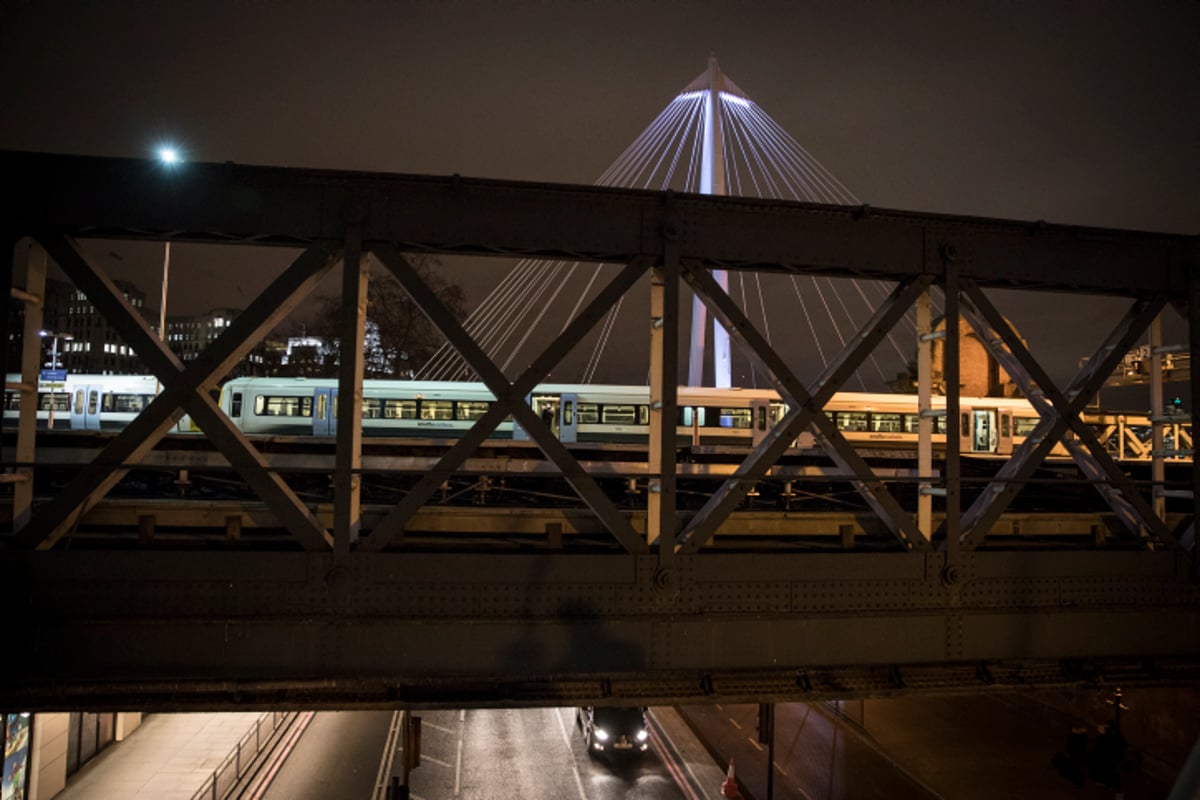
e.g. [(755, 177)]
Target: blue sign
[(53, 375)]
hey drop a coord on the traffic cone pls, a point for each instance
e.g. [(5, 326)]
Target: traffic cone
[(729, 787)]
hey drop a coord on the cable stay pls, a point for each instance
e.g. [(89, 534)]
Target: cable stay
[(712, 137)]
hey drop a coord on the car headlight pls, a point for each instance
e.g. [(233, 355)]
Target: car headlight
[(602, 734), (642, 734)]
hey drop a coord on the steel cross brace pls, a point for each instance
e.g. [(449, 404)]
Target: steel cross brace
[(181, 387), (510, 399), (1058, 414), (805, 408)]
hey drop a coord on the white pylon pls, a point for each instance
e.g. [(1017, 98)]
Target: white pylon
[(712, 181)]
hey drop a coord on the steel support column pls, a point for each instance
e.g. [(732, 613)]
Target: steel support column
[(661, 519), (33, 264), (1189, 539), (347, 480), (924, 418), (1158, 466), (951, 369)]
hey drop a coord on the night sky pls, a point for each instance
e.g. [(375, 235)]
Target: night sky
[(1073, 112)]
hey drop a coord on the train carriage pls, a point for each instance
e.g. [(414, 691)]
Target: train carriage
[(574, 413)]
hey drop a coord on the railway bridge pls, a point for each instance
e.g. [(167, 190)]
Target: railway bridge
[(937, 584)]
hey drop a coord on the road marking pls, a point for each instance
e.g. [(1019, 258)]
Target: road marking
[(384, 774), (567, 740), (425, 724), (667, 756), (293, 737), (462, 733), (754, 742), (426, 757), (734, 722)]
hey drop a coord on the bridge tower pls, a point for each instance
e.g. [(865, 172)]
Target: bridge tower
[(712, 181)]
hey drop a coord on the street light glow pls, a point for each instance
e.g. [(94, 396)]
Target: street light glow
[(168, 155)]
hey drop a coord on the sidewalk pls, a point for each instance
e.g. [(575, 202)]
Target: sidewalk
[(168, 757)]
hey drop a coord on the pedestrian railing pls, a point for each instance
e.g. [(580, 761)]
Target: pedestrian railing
[(225, 777)]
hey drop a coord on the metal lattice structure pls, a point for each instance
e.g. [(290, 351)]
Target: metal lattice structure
[(350, 616)]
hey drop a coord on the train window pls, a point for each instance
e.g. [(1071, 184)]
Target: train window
[(235, 409), (964, 424), (762, 418), (1004, 425), (912, 422), (372, 407), (587, 413), (1023, 426), (79, 401), (778, 412), (12, 401), (886, 423), (125, 403), (734, 417), (400, 409), (617, 415), (852, 420), (568, 412), (437, 409), (93, 400), (60, 401), (643, 415), (283, 406), (686, 415), (322, 405), (470, 409)]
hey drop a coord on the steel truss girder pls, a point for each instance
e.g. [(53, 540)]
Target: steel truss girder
[(181, 387), (510, 399), (806, 408), (1060, 412), (116, 198), (393, 627)]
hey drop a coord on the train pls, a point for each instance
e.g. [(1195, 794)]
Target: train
[(574, 412)]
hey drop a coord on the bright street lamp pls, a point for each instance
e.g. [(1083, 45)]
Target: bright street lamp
[(53, 337)]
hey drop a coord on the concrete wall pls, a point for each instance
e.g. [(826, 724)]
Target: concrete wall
[(48, 750), (48, 756)]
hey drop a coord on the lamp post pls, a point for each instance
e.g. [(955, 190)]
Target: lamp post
[(170, 157), (53, 337)]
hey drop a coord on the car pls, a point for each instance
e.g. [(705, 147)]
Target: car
[(613, 730)]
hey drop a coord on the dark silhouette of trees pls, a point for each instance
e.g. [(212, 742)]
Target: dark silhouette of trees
[(399, 337)]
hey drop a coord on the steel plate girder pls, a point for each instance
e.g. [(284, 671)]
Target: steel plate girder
[(194, 619), (79, 195)]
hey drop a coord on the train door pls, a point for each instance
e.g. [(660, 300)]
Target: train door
[(568, 428), (85, 407), (557, 412), (1004, 441), (984, 434), (760, 422), (325, 411)]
